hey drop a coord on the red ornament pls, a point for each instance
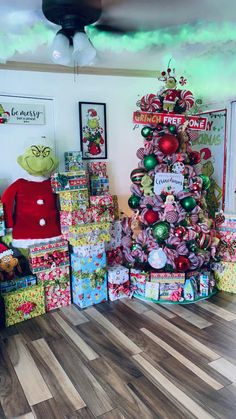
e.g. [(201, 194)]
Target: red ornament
[(182, 263), (196, 187), (180, 231), (194, 157), (151, 217), (168, 144)]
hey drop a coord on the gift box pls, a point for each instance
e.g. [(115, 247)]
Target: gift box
[(90, 262), (24, 304), (99, 185), (74, 200), (225, 276), (59, 274), (115, 231), (118, 291), (204, 284), (166, 278), (227, 233), (170, 292), (138, 281), (82, 235), (89, 251), (89, 288), (73, 161), (117, 274), (98, 168), (102, 213), (48, 256), (152, 290), (73, 218), (65, 181), (101, 200), (57, 294), (17, 283)]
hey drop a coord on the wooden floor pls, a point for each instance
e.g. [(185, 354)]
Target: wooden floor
[(126, 359)]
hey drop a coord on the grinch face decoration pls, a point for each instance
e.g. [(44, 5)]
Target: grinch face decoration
[(38, 160)]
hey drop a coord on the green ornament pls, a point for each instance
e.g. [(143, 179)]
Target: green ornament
[(161, 230), (146, 132), (150, 161), (135, 246), (134, 201), (172, 129), (206, 182), (188, 203)]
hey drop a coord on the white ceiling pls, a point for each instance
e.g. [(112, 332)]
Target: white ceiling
[(199, 36)]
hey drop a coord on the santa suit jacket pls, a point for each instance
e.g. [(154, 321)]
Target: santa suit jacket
[(30, 209)]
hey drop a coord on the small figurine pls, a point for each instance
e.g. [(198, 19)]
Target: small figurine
[(9, 265), (147, 186), (170, 213)]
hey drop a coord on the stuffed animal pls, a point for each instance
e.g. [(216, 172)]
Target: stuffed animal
[(147, 186), (9, 265), (30, 206)]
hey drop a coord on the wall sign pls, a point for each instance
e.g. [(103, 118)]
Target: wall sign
[(27, 114), (168, 182)]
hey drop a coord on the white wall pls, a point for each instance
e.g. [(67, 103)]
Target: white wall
[(120, 95)]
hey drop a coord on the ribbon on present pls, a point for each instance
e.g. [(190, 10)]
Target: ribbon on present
[(96, 278), (228, 248), (117, 289), (61, 282), (55, 258), (114, 257), (27, 307)]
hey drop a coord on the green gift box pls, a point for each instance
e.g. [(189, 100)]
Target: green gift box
[(24, 304)]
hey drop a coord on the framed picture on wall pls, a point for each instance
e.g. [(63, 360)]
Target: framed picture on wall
[(93, 133)]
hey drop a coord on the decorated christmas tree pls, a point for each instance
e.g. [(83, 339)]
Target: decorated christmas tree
[(170, 230)]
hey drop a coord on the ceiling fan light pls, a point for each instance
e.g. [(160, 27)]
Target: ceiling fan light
[(84, 52), (61, 51)]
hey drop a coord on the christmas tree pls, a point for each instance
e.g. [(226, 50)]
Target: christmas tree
[(170, 229)]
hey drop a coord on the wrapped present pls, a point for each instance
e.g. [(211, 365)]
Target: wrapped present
[(57, 294), (116, 207), (114, 257), (65, 181), (117, 291), (101, 200), (227, 233), (43, 257), (152, 290), (99, 185), (98, 168), (73, 161), (102, 213), (138, 281), (24, 304), (89, 250), (82, 235), (166, 278), (17, 283), (59, 274), (225, 276), (115, 231), (117, 274), (2, 221), (73, 218), (170, 292), (189, 290), (204, 284), (74, 200), (89, 288), (95, 259)]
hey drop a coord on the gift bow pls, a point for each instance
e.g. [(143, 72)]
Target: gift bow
[(114, 256), (116, 289), (27, 307), (96, 278), (50, 258)]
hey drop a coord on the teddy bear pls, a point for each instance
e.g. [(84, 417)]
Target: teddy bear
[(147, 186)]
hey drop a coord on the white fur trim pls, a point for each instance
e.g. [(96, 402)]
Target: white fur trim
[(6, 253), (32, 178), (25, 243)]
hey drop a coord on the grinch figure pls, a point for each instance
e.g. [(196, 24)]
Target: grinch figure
[(93, 134), (30, 206)]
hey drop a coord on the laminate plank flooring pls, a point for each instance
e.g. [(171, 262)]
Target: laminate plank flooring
[(123, 360)]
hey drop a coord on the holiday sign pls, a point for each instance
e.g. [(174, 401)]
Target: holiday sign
[(16, 113), (168, 183), (148, 118)]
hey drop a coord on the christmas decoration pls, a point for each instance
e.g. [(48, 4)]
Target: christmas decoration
[(175, 234), (168, 144)]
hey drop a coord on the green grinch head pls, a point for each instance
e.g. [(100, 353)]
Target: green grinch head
[(38, 160)]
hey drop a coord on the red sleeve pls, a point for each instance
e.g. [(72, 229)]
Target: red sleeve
[(8, 200)]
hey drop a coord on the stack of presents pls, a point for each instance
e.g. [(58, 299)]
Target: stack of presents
[(225, 270), (85, 266)]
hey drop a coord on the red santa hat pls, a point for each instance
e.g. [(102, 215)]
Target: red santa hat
[(4, 251), (92, 114)]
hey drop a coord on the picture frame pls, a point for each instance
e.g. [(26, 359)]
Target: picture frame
[(93, 131)]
